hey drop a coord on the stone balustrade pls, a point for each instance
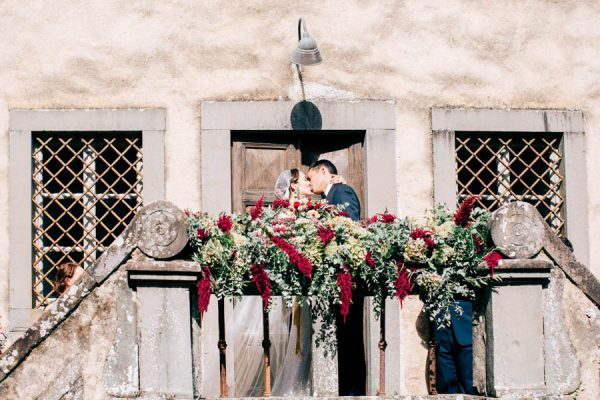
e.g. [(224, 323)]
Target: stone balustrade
[(160, 346)]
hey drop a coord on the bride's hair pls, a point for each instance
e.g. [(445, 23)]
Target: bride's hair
[(294, 178)]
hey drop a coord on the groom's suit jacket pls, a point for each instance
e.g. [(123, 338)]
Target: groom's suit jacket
[(342, 194)]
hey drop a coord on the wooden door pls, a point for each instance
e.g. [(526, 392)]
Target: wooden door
[(257, 159)]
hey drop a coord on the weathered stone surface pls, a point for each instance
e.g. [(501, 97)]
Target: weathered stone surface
[(50, 319), (561, 363), (576, 271), (517, 230), (582, 322), (70, 387), (166, 343), (515, 334), (177, 266), (76, 348), (479, 342), (121, 370), (161, 230)]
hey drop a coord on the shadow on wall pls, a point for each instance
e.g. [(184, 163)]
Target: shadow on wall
[(306, 116)]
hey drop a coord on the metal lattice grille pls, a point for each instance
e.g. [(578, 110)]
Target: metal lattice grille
[(86, 189), (504, 167)]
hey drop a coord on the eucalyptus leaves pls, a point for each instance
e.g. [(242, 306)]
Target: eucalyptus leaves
[(311, 249)]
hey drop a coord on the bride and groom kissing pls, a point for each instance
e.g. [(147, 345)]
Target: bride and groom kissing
[(322, 179)]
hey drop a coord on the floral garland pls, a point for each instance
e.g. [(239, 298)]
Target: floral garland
[(311, 249)]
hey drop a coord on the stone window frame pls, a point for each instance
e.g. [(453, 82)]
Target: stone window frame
[(152, 124), (570, 123), (377, 119)]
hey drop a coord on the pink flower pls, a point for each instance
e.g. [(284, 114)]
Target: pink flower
[(325, 234), (344, 282), (262, 282), (492, 259), (462, 215), (225, 223)]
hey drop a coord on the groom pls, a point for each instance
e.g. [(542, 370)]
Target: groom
[(351, 353)]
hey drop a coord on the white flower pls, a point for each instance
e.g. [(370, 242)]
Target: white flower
[(444, 230), (415, 251)]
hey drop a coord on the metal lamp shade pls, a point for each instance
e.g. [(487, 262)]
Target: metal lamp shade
[(307, 52)]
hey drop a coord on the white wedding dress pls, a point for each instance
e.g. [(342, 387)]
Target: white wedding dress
[(290, 336)]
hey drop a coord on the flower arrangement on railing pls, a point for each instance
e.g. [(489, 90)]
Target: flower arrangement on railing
[(312, 249)]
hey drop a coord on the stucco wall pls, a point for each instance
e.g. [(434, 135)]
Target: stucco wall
[(113, 54)]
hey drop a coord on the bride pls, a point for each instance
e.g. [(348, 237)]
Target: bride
[(290, 329)]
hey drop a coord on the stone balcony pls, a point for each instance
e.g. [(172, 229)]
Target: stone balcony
[(129, 328)]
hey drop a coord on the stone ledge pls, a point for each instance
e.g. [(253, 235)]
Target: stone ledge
[(395, 397)]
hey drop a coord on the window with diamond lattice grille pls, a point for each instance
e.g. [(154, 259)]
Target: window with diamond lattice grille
[(86, 189), (503, 167)]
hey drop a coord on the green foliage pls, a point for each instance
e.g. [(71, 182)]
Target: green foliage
[(304, 247)]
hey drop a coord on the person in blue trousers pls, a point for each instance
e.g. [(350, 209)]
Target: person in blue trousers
[(454, 359)]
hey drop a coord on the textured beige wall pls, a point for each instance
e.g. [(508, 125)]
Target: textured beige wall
[(175, 54)]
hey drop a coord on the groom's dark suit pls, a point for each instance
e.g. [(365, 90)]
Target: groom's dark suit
[(351, 352), (344, 194)]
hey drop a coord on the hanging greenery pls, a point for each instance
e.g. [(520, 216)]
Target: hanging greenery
[(312, 249)]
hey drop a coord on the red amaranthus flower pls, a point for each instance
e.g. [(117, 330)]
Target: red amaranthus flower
[(203, 287), (344, 282), (462, 215), (281, 203), (342, 214), (201, 234), (262, 282), (385, 218), (225, 223), (492, 259), (257, 210), (403, 283), (420, 233), (296, 258), (369, 259), (325, 234), (478, 242)]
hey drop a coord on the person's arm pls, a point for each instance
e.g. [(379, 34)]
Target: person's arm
[(347, 195)]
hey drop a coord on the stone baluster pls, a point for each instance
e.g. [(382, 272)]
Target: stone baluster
[(169, 328), (517, 310)]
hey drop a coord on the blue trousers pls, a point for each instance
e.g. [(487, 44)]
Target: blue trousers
[(454, 358)]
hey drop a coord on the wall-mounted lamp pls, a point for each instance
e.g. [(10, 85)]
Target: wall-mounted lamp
[(307, 52)]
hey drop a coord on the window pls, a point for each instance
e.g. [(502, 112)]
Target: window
[(500, 168), (536, 156), (87, 187), (77, 177)]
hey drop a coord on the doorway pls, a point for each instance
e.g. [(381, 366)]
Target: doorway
[(258, 157)]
